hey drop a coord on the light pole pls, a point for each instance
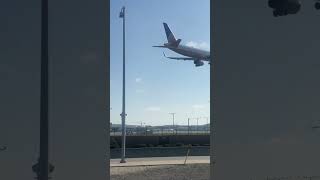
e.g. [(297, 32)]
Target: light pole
[(197, 125), (123, 114), (193, 129), (188, 126), (207, 125), (208, 129), (173, 120)]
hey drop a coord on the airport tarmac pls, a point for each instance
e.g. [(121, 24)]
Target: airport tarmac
[(154, 161)]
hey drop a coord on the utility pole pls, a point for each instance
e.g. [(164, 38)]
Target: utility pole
[(173, 121), (123, 114)]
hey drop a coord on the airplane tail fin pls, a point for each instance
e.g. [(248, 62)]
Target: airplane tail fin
[(171, 39)]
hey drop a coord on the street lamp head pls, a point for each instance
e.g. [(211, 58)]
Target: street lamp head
[(122, 12)]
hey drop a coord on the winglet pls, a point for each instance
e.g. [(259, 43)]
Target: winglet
[(165, 55), (178, 42)]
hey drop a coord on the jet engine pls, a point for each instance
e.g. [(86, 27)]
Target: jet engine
[(198, 63), (284, 7)]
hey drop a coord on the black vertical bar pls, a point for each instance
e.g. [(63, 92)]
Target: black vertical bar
[(123, 116), (44, 125), (213, 35)]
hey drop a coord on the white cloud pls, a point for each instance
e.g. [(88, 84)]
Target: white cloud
[(202, 45), (153, 108), (138, 80)]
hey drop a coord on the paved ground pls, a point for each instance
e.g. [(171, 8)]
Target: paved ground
[(161, 168), (160, 161)]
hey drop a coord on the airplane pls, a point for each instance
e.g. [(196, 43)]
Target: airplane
[(194, 54)]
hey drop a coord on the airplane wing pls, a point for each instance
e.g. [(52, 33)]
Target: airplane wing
[(160, 46), (179, 58)]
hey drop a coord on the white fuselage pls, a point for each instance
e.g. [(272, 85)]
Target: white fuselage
[(190, 52)]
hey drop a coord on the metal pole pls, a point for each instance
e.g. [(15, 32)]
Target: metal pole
[(207, 125), (188, 126), (145, 127), (173, 121), (44, 94), (197, 125), (123, 114)]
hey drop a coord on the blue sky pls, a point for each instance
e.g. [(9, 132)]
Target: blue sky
[(155, 85)]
